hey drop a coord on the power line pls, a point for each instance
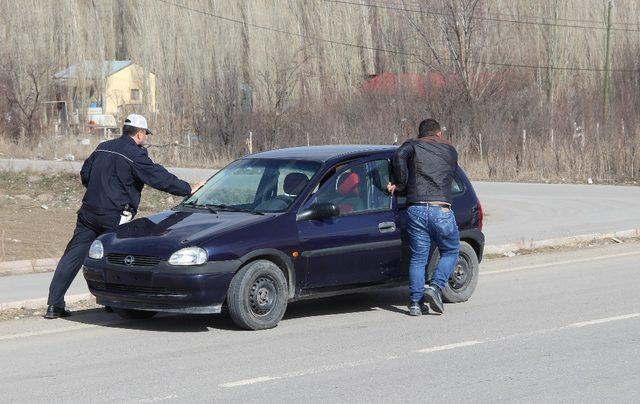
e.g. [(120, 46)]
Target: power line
[(492, 19), (390, 51)]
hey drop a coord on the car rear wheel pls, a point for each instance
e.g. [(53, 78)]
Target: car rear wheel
[(131, 314), (257, 296), (464, 279)]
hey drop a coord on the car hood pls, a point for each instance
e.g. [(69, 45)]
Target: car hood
[(166, 232)]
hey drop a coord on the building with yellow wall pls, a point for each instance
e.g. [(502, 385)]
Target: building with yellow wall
[(110, 87)]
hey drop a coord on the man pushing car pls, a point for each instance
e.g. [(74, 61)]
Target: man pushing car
[(114, 175), (424, 169)]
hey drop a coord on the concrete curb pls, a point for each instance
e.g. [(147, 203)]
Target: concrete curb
[(28, 266), (34, 304), (558, 242)]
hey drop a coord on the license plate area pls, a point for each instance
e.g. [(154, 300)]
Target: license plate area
[(129, 278)]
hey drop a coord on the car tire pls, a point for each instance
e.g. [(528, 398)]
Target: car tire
[(257, 296), (131, 314), (464, 279)]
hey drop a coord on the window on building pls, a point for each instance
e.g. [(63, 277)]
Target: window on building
[(135, 95)]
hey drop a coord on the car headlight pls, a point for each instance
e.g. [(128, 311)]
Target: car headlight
[(189, 256), (96, 251)]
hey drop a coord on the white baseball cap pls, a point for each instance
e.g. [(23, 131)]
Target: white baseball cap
[(137, 121)]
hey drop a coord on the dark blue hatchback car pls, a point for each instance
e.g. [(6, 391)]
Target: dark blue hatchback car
[(271, 228)]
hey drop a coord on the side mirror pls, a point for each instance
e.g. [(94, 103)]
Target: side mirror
[(318, 211)]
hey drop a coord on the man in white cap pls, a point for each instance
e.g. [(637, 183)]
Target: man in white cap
[(114, 175)]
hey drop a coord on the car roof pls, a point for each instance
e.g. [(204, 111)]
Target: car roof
[(323, 153)]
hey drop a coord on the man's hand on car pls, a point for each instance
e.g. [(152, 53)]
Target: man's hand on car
[(197, 186), (391, 188)]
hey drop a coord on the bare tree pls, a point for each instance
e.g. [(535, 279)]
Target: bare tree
[(24, 87)]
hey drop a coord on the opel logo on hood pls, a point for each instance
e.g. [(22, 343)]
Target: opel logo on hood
[(129, 260)]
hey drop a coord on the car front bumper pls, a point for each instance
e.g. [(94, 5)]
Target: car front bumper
[(197, 289)]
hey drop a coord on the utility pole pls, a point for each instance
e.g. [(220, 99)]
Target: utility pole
[(607, 65), (376, 34), (119, 15), (552, 56)]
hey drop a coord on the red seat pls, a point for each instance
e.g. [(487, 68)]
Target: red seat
[(348, 187)]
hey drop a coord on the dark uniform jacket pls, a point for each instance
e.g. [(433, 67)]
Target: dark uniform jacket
[(115, 173), (424, 169)]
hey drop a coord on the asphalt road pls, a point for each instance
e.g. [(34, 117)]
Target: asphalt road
[(561, 327), (17, 288), (525, 212), (49, 166)]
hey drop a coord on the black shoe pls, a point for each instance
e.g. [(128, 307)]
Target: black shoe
[(415, 308), (108, 309), (433, 296), (56, 312)]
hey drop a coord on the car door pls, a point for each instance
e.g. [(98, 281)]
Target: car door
[(362, 244)]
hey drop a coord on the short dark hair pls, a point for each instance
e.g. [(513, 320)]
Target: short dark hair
[(428, 127), (130, 130)]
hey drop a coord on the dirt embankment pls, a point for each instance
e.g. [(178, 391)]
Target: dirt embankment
[(38, 212)]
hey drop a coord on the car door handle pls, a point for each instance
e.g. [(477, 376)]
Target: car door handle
[(387, 227)]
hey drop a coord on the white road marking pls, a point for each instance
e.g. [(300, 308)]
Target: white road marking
[(249, 381), (157, 399), (557, 263), (438, 348), (47, 332), (603, 320), (450, 346), (55, 331)]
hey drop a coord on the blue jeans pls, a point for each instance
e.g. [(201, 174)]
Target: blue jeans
[(424, 225)]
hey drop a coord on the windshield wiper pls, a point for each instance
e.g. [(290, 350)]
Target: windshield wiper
[(194, 205), (232, 208)]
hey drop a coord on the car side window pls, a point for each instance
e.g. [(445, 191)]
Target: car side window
[(377, 180), (456, 186), (360, 188)]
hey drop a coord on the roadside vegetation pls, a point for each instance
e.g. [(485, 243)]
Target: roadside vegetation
[(528, 90)]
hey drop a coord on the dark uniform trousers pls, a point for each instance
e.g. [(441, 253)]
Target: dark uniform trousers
[(88, 227)]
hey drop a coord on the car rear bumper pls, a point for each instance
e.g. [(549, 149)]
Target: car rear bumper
[(200, 289)]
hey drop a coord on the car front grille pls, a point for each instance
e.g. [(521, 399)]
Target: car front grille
[(132, 260), (114, 287)]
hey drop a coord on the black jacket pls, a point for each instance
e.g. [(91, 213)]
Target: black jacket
[(424, 168), (115, 173)]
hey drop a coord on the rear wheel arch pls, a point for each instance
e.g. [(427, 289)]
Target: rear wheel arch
[(475, 245), (475, 238)]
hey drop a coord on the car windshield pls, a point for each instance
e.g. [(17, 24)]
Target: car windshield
[(255, 185)]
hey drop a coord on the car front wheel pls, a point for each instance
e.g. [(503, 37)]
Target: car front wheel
[(257, 296)]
